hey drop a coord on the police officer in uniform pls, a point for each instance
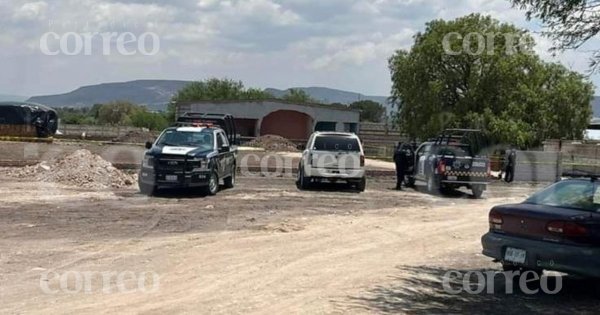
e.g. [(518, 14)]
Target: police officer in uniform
[(509, 171), (401, 161)]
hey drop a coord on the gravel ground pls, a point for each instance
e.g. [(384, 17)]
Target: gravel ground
[(262, 248)]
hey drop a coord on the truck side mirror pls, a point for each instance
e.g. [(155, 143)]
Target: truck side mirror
[(148, 145)]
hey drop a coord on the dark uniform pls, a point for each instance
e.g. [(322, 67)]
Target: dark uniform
[(511, 156), (401, 161)]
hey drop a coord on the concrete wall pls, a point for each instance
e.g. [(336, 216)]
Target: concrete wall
[(537, 166), (577, 157), (260, 109)]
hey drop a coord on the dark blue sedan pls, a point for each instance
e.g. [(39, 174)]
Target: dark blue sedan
[(556, 229)]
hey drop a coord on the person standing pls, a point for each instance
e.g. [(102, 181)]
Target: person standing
[(509, 171), (400, 161)]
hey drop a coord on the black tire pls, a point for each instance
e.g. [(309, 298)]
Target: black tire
[(146, 189), (477, 191), (230, 181), (361, 185), (446, 190), (213, 184), (302, 181)]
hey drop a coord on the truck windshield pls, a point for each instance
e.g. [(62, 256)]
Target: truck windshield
[(203, 139), (332, 143)]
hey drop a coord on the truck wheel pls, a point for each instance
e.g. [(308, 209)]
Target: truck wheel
[(362, 185), (230, 181), (213, 184), (147, 189), (303, 182), (477, 191), (446, 189)]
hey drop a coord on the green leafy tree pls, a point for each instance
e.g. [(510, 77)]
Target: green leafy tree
[(256, 94), (77, 116), (214, 90), (144, 119), (117, 113), (508, 92), (218, 89), (569, 23), (369, 110), (298, 96)]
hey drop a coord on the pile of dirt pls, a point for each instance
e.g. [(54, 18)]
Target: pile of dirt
[(136, 136), (273, 143), (81, 168)]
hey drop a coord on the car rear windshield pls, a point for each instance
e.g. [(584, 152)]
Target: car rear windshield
[(336, 143), (573, 194)]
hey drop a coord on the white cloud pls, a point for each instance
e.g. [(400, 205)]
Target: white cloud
[(31, 11), (338, 43)]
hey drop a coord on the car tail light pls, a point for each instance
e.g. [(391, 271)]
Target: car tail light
[(441, 167), (310, 159), (362, 160), (569, 229), (496, 220)]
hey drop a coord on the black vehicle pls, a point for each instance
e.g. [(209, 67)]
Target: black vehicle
[(27, 120), (194, 153), (452, 160)]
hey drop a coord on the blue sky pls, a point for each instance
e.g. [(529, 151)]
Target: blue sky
[(265, 43)]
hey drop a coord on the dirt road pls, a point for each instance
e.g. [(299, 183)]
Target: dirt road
[(261, 248)]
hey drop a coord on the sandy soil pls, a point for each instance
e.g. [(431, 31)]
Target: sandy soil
[(261, 248)]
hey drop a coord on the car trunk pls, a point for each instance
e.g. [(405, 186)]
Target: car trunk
[(546, 223)]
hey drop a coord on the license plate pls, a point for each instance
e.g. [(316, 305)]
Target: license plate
[(171, 178), (515, 255), (452, 178)]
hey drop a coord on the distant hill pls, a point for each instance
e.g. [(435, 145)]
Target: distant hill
[(12, 98), (156, 94), (327, 95)]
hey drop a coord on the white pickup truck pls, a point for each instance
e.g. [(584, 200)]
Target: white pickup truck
[(332, 157)]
